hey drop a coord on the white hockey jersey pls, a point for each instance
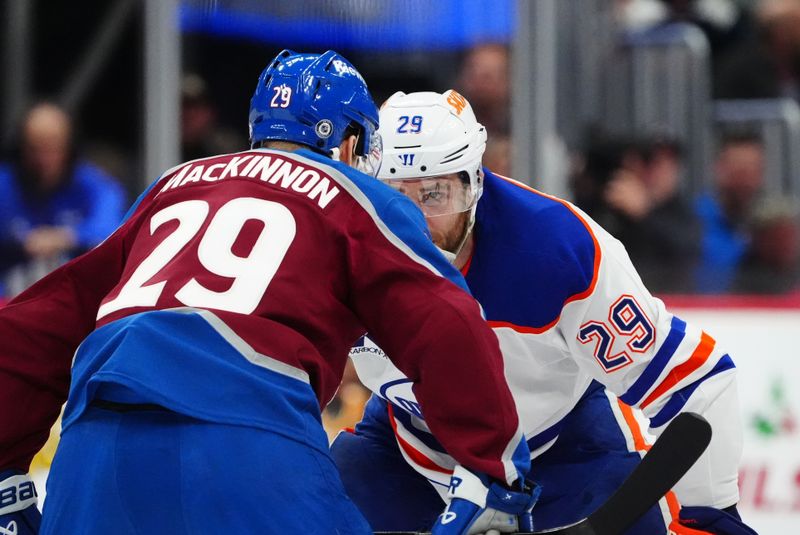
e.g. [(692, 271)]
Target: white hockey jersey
[(568, 307)]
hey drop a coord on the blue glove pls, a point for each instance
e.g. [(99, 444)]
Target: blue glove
[(715, 521), (18, 512), (477, 506)]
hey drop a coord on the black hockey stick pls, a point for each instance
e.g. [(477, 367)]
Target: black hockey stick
[(672, 455)]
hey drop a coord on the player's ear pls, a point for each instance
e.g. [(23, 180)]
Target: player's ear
[(347, 150)]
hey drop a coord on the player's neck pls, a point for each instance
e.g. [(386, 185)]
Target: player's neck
[(465, 253), (282, 145)]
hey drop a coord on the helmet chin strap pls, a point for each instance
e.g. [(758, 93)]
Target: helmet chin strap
[(452, 255)]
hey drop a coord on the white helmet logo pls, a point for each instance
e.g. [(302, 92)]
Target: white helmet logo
[(324, 129)]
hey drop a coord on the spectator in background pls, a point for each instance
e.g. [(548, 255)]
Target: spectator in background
[(772, 262), (725, 23), (637, 15), (201, 136), (484, 80), (769, 66), (739, 176), (593, 169), (632, 188), (658, 228), (53, 206), (498, 155)]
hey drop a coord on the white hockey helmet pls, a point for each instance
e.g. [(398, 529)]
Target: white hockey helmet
[(428, 135)]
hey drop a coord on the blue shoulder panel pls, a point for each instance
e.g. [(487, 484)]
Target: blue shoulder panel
[(532, 255)]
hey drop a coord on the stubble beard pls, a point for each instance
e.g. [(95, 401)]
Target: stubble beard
[(451, 239)]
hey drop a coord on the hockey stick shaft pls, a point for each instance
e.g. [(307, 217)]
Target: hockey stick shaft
[(672, 455)]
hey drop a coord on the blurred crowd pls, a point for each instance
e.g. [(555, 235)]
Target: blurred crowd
[(54, 204), (736, 237), (731, 238)]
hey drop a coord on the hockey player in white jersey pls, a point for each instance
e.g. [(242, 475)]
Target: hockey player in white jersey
[(583, 340)]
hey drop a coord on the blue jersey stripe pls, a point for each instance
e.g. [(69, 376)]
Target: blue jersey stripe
[(540, 439), (653, 370), (521, 459), (679, 398)]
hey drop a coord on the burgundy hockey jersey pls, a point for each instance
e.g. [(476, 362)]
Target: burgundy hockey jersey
[(233, 292)]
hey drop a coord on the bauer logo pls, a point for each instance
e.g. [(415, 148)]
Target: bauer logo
[(17, 495)]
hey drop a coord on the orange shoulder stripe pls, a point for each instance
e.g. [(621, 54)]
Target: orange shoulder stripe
[(698, 358)]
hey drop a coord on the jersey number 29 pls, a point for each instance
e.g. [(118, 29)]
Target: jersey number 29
[(628, 320), (251, 274)]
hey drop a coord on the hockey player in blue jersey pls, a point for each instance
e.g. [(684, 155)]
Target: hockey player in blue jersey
[(583, 340), (195, 346)]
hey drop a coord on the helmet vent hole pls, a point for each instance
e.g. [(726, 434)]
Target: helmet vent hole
[(423, 168), (393, 170), (455, 155)]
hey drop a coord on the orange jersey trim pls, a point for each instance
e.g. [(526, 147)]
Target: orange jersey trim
[(641, 444), (698, 358)]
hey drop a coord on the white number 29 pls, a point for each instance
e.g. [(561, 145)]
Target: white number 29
[(282, 97), (251, 274)]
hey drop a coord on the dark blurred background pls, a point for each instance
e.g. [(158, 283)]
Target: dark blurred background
[(674, 123)]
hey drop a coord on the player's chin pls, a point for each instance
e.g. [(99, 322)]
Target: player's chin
[(438, 239)]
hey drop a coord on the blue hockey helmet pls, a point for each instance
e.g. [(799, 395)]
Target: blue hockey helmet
[(311, 99)]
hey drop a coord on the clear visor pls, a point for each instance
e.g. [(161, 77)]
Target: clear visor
[(438, 195), (370, 163)]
